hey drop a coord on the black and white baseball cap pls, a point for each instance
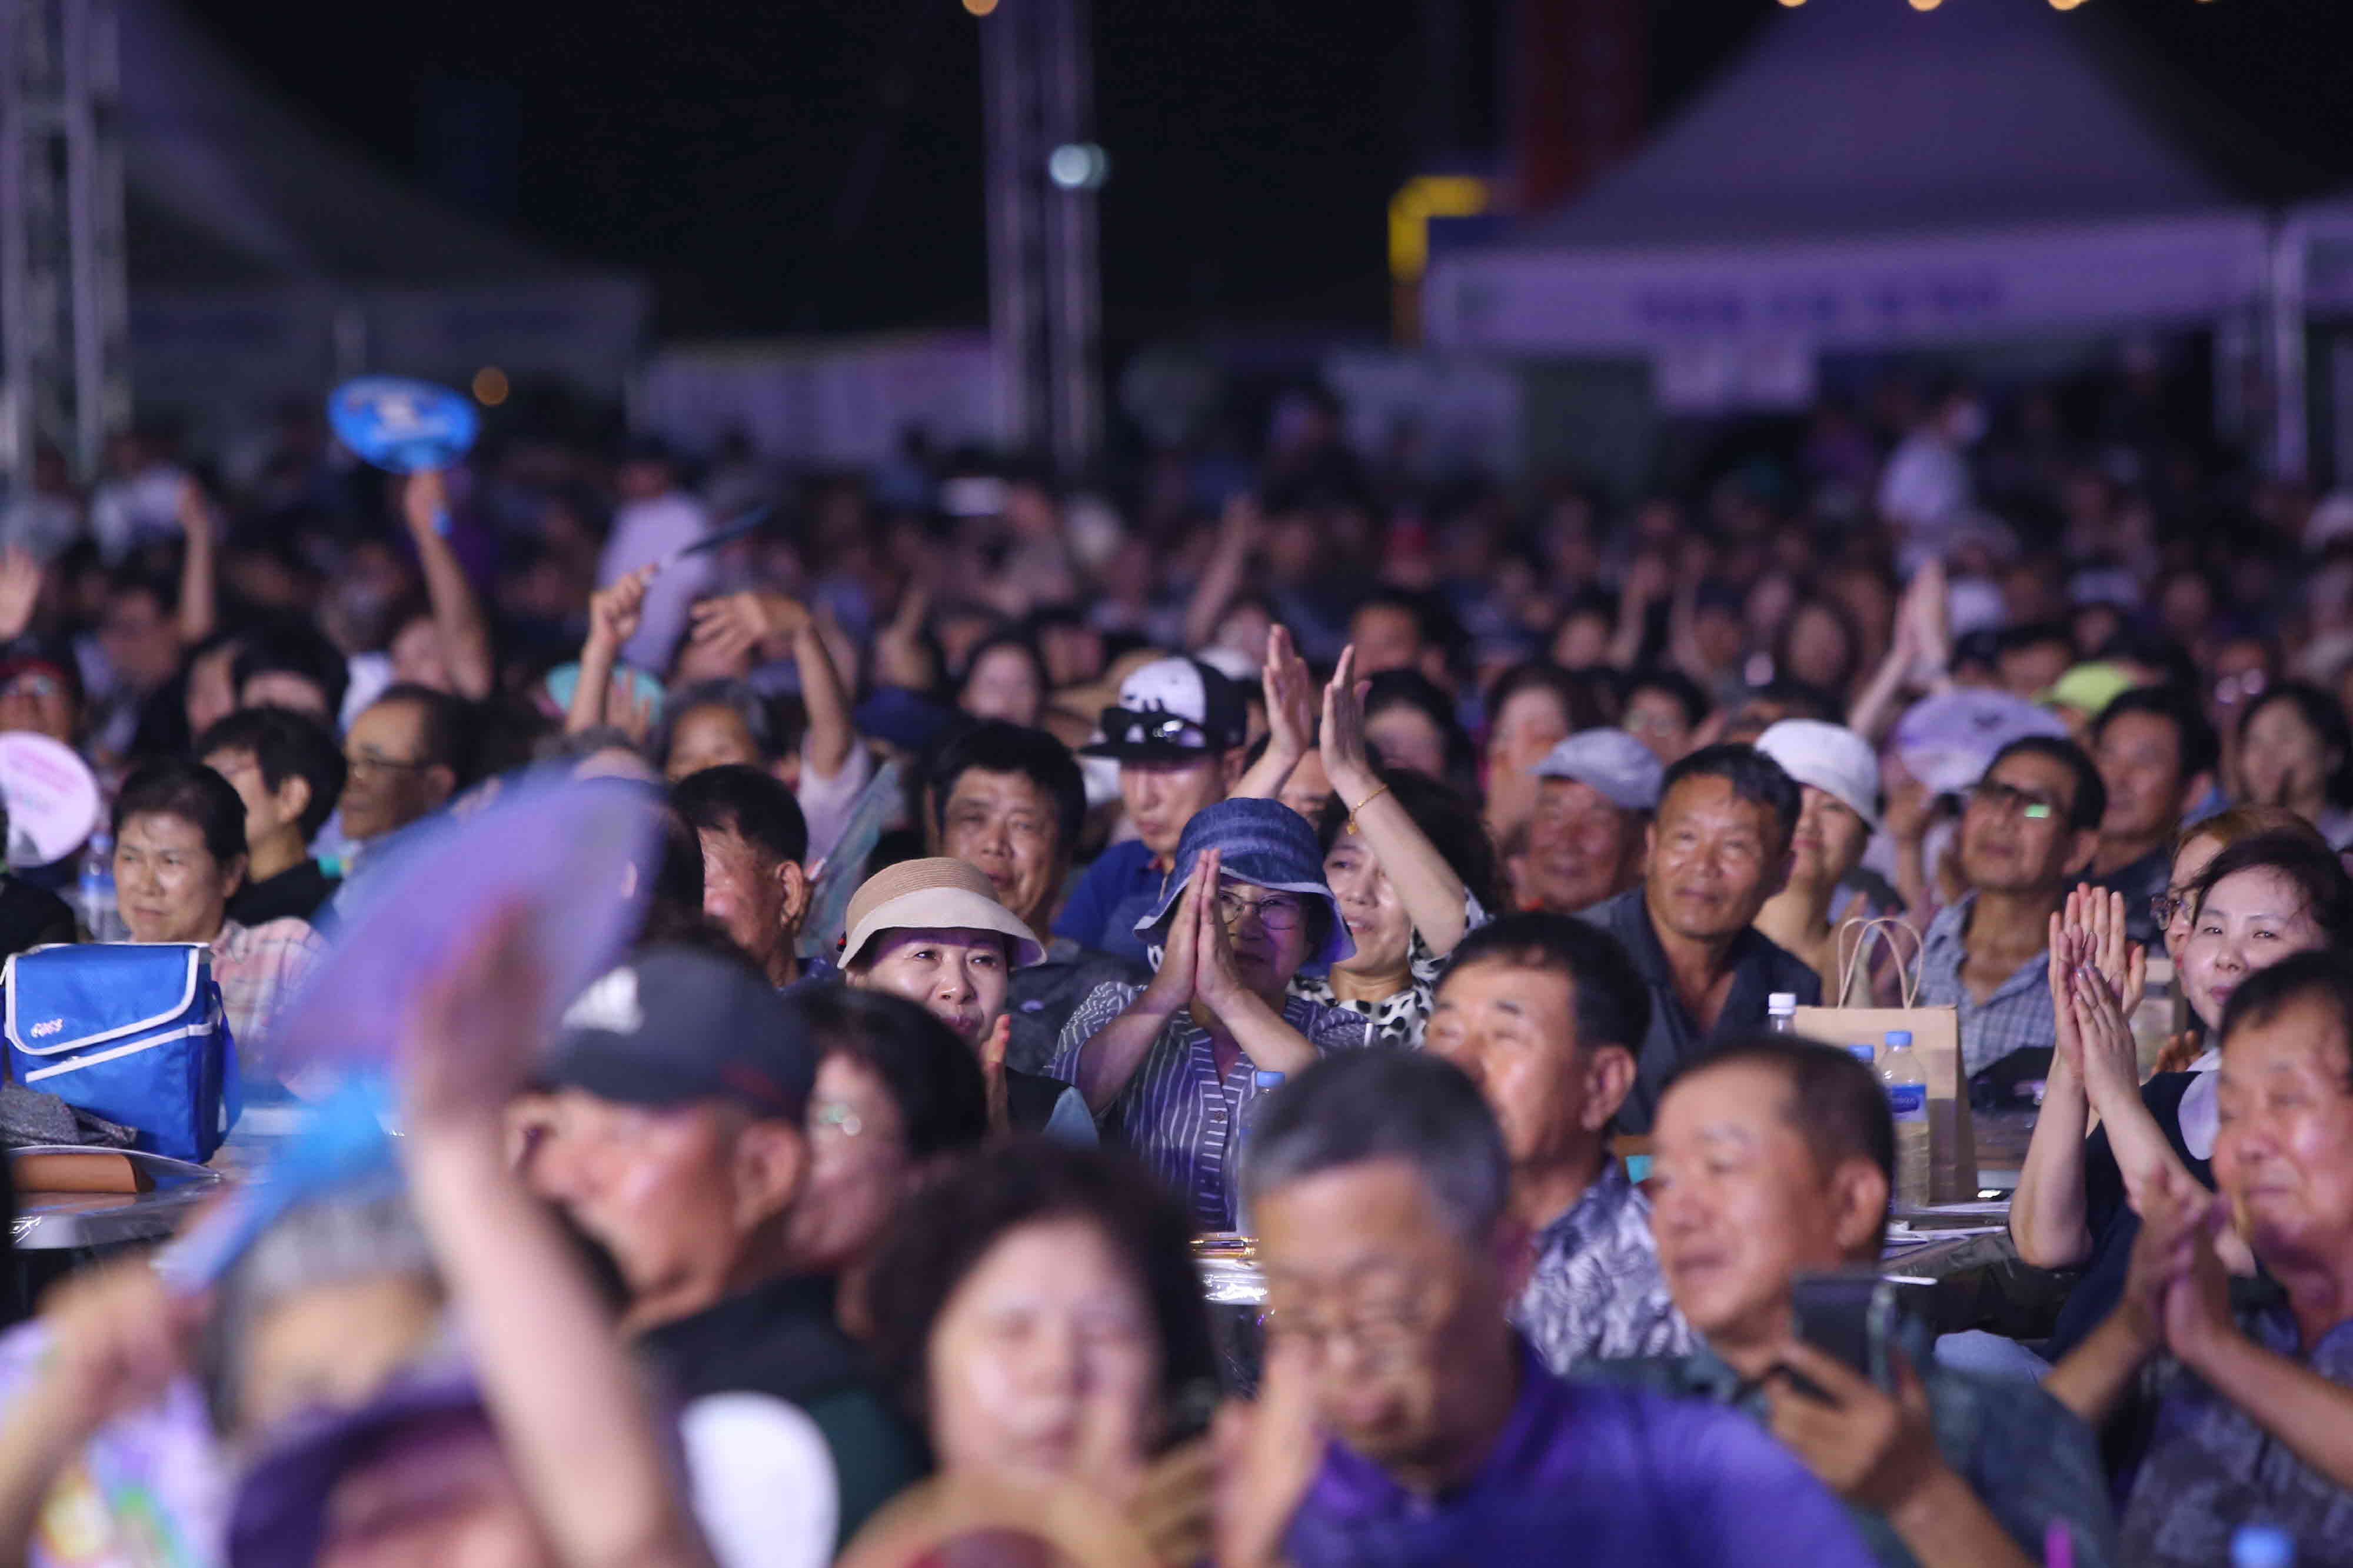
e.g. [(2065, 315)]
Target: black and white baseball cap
[(1170, 710)]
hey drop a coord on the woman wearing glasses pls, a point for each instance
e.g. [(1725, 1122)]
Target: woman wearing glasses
[(1411, 866), (1169, 1068), (2250, 888)]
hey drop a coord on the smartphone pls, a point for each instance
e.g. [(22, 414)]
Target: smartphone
[(1849, 1313)]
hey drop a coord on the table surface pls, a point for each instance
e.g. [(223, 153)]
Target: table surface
[(59, 1221)]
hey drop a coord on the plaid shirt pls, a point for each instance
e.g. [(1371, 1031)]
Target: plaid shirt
[(2023, 1454), (1177, 1112), (1595, 1292), (257, 968), (2211, 1467), (2015, 1017)]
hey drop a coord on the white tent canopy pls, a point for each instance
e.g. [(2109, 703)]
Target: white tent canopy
[(1868, 176)]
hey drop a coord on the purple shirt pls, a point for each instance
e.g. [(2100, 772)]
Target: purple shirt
[(1586, 1474)]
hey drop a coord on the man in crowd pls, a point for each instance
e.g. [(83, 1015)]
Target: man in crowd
[(2156, 756), (1544, 1012), (2254, 1389), (1381, 1189), (408, 753), (285, 662), (1011, 803), (754, 883), (672, 1135), (1718, 852), (2030, 829), (1774, 1159), (1177, 734), (288, 770), (1594, 799), (932, 930)]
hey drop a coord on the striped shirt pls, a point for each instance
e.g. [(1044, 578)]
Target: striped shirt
[(2016, 1018), (1177, 1112)]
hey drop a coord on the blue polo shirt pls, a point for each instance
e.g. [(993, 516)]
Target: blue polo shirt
[(1118, 890), (1587, 1474)]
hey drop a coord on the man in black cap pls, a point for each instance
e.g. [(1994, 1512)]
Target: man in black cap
[(1177, 735), (672, 1134)]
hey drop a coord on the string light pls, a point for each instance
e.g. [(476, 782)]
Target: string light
[(1793, 5), (1926, 4), (2064, 5), (489, 386), (980, 7)]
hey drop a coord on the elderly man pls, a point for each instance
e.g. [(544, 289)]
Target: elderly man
[(407, 753), (2030, 830), (1774, 1158), (1544, 1012), (1168, 1067), (1594, 796), (674, 1137), (2156, 756), (933, 931), (2255, 1392), (1177, 735), (1381, 1184), (1718, 852), (755, 885), (1012, 802)]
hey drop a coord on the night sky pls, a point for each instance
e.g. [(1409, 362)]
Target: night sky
[(815, 164)]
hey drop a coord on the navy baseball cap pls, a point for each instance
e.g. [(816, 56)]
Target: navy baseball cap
[(676, 1025)]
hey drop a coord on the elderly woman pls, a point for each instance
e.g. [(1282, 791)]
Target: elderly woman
[(1170, 1066), (1039, 1311), (179, 855), (932, 930)]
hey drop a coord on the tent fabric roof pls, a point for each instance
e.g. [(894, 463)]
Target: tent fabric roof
[(226, 187), (1862, 117)]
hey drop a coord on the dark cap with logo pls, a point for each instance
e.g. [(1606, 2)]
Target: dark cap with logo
[(1173, 709), (676, 1025)]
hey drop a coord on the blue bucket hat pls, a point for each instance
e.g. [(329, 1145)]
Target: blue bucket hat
[(1265, 844)]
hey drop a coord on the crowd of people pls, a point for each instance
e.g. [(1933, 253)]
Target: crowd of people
[(1410, 879)]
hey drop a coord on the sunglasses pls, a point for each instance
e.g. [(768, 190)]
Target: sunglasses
[(1125, 727)]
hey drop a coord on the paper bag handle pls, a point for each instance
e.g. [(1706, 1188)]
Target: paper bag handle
[(1884, 927)]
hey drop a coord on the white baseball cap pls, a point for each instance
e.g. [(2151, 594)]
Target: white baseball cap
[(1832, 758)]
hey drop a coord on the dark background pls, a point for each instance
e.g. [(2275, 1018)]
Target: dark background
[(815, 165)]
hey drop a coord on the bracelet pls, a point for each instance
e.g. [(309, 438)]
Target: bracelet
[(1363, 803)]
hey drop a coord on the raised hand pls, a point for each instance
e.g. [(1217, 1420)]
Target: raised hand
[(615, 611), (628, 709), (471, 1030), (2111, 1060), (1215, 978), (992, 1073), (20, 590), (1874, 1450), (1172, 987), (736, 624), (1290, 695), (117, 1338), (1267, 1455), (1347, 756)]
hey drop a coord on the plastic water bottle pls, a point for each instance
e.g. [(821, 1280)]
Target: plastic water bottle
[(1263, 1083), (2262, 1546), (100, 916), (1781, 1013), (1907, 1102)]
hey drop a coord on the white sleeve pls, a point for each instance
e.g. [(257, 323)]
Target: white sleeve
[(766, 1491), (825, 802)]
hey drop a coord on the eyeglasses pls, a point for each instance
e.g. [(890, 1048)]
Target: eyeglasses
[(1276, 912), (836, 1116), (374, 762), (2164, 906), (2006, 799)]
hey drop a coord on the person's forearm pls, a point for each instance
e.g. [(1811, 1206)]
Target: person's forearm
[(1432, 894), (2047, 1212), (199, 597), (1212, 594), (2296, 1404), (1946, 1526), (1108, 1060), (825, 750), (2142, 1156), (570, 1409), (1268, 775), (1272, 1045), (2094, 1376), (457, 615), (1873, 706), (1912, 882), (588, 693), (39, 1437)]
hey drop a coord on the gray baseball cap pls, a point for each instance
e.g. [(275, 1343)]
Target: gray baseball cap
[(1622, 770)]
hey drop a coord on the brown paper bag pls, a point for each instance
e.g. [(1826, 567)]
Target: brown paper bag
[(1936, 1040)]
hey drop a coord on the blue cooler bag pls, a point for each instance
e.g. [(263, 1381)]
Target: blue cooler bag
[(131, 1031)]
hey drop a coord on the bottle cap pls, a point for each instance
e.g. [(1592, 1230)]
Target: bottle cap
[(1265, 1079), (1781, 1001), (1862, 1054), (1898, 1039)]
